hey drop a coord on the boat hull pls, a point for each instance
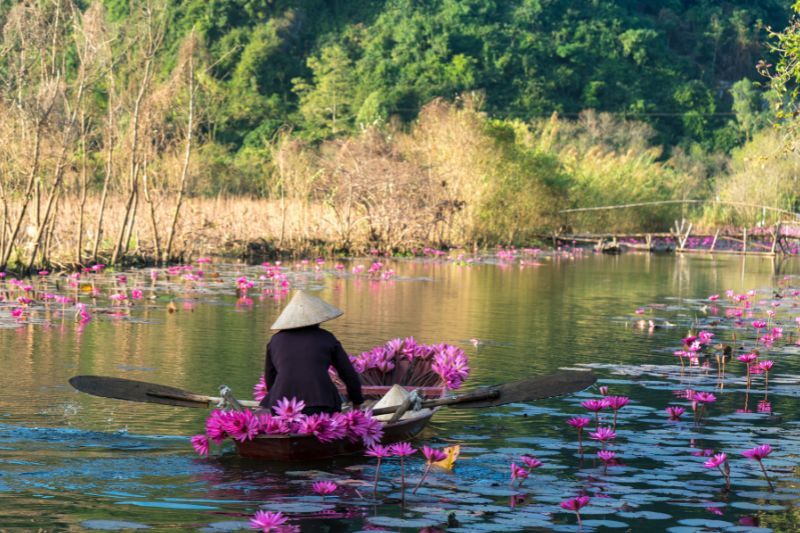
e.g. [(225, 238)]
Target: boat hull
[(307, 447)]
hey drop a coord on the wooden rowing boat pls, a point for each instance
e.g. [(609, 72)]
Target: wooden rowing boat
[(307, 447), (375, 385)]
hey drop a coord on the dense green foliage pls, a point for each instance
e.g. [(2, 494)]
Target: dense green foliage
[(328, 67)]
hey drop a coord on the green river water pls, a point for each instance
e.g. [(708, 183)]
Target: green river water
[(69, 461)]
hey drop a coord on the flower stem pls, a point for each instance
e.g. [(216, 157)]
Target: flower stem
[(726, 477), (375, 484), (424, 475), (764, 470), (402, 480)]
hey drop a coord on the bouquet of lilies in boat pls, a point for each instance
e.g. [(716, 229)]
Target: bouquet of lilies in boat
[(409, 363)]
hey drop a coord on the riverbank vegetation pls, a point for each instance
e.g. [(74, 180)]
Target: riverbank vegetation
[(157, 130)]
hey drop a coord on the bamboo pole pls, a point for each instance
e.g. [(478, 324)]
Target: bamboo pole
[(671, 202), (744, 241), (714, 242), (775, 237)]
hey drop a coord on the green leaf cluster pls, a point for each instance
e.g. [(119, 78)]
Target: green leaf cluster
[(329, 67)]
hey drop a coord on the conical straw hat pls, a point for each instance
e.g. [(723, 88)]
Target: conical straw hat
[(305, 310)]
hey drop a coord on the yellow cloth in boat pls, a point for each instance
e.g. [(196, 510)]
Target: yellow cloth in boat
[(395, 396)]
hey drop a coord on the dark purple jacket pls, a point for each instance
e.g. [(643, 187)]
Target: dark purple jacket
[(297, 366)]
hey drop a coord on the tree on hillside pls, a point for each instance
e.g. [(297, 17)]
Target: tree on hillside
[(326, 102)]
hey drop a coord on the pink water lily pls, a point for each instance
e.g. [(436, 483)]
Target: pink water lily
[(748, 358), (200, 445), (267, 521), (675, 412), (720, 462), (531, 462), (705, 397), (575, 505), (260, 389), (402, 450), (289, 410), (603, 434), (595, 406), (759, 453), (432, 455), (765, 366), (616, 403), (242, 425), (608, 457), (579, 423), (323, 488), (716, 460), (518, 473), (215, 426), (379, 452)]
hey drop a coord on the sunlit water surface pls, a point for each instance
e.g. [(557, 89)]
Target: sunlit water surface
[(71, 461)]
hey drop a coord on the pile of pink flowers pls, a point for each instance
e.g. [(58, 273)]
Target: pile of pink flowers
[(288, 419), (442, 361)]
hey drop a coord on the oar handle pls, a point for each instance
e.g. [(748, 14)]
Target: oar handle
[(207, 401)]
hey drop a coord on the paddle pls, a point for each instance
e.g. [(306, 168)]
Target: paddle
[(526, 390), (142, 391)]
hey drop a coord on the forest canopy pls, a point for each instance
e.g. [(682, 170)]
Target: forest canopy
[(327, 67)]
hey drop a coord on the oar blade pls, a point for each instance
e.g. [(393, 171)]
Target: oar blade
[(538, 388), (137, 391)]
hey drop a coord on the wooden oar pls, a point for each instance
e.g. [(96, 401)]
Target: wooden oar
[(526, 390), (141, 391)]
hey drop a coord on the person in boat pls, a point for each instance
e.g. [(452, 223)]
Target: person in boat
[(299, 355)]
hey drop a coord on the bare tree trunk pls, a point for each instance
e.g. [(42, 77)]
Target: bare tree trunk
[(37, 203), (83, 184), (134, 165), (153, 35), (186, 160), (27, 198), (4, 225), (50, 230), (149, 200), (59, 172), (131, 223), (98, 234)]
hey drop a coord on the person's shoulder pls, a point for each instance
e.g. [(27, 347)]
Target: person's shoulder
[(327, 335)]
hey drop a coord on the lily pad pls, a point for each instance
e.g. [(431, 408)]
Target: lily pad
[(112, 525), (391, 521)]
